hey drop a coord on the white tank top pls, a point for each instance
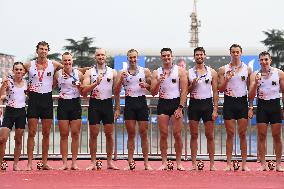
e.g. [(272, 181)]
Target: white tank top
[(268, 88), (203, 88), (131, 83), (67, 87), (237, 85), (46, 77), (169, 89), (104, 89), (16, 96)]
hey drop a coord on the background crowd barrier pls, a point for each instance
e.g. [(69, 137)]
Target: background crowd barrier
[(120, 137)]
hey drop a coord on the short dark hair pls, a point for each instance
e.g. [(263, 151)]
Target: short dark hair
[(166, 49), (17, 63), (236, 46), (131, 51), (199, 49), (264, 53), (43, 43), (66, 53)]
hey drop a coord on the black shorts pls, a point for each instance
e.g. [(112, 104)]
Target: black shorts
[(40, 105), (69, 109), (202, 108), (136, 108), (15, 116), (100, 110), (235, 107), (167, 106), (268, 111)]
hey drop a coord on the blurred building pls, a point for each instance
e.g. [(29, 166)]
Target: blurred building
[(6, 63)]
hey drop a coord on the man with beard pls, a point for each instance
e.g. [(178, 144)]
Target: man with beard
[(203, 80)]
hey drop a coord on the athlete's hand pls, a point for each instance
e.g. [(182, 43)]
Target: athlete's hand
[(215, 114), (178, 113), (250, 113), (116, 114), (99, 79), (5, 82), (162, 77), (124, 74), (143, 84), (257, 78), (194, 82), (229, 75)]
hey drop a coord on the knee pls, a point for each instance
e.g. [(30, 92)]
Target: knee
[(75, 135), (32, 133), (277, 138), (163, 135), (18, 141), (143, 133), (193, 136), (230, 135), (262, 137), (243, 134), (131, 135), (45, 134), (177, 135), (64, 136), (3, 140), (108, 135), (209, 136)]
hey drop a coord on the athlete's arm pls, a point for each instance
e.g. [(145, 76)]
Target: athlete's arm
[(281, 80), (215, 93), (222, 82), (155, 83), (118, 83), (183, 85), (148, 75)]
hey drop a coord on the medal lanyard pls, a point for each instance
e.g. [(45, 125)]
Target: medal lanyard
[(196, 74), (40, 76), (170, 71), (135, 73), (234, 68), (72, 76), (97, 70), (268, 73)]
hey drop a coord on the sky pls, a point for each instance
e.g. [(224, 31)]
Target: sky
[(140, 24)]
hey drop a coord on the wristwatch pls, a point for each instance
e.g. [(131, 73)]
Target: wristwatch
[(180, 106)]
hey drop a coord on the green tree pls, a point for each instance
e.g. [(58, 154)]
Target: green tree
[(81, 50), (275, 43)]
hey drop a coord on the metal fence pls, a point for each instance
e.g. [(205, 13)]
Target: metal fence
[(120, 138)]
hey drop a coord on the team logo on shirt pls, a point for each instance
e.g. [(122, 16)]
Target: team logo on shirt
[(243, 78), (108, 79), (174, 80), (206, 80), (273, 82), (48, 73)]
